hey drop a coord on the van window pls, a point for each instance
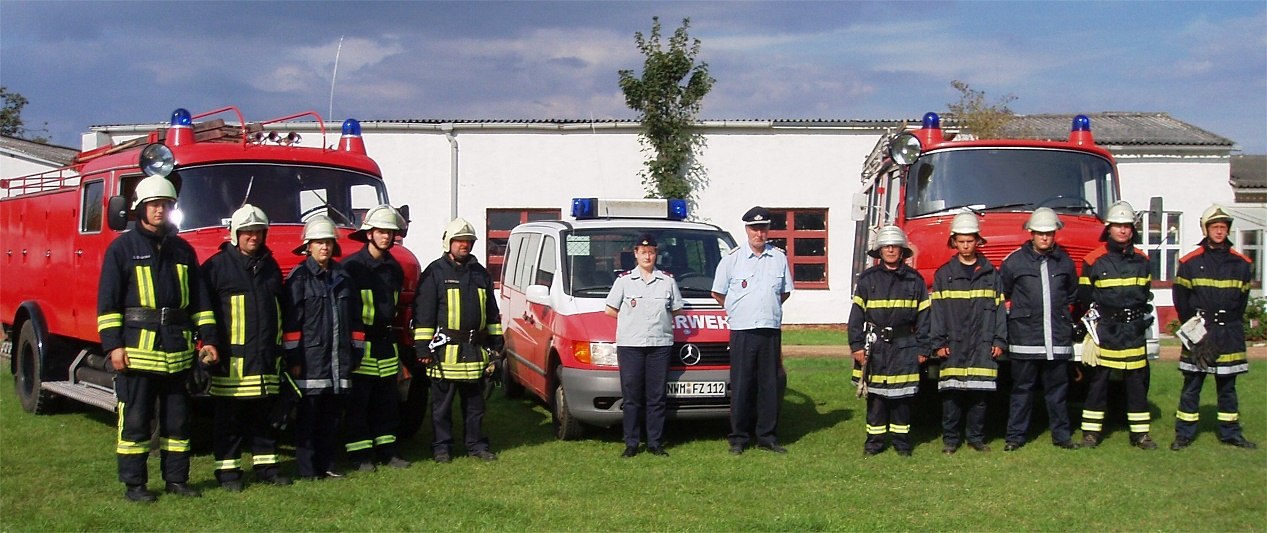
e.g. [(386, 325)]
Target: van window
[(594, 258), (546, 265), (91, 209), (525, 270), (513, 253)]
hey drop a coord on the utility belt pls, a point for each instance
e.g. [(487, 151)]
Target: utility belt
[(890, 334), (163, 316), (464, 336), (378, 333), (1220, 318), (1126, 315)]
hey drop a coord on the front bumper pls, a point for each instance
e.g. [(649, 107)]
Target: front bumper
[(594, 396)]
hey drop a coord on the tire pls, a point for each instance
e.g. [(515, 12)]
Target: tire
[(413, 410), (566, 427), (511, 389), (28, 373)]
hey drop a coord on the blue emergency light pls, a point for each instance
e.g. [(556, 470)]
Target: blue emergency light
[(181, 117), (588, 208), (1081, 123), (932, 121), (352, 127)]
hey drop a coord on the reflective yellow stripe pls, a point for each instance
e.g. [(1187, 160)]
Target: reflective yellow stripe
[(1122, 282), (895, 304), (109, 320), (483, 305), (204, 318), (495, 328), (963, 295), (1084, 280), (384, 439), (1138, 417), (1140, 428), (1091, 426), (1218, 283), (1231, 358), (900, 429), (173, 445), (1187, 417), (1183, 282), (145, 287), (979, 372), (127, 447), (182, 275), (876, 430), (924, 304), (1127, 359), (359, 445), (1094, 415), (454, 305), (237, 319), (1229, 417), (901, 378), (857, 300), (267, 459), (229, 464), (277, 304), (367, 307), (424, 334)]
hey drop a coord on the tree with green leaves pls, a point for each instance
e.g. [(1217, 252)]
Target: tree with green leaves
[(11, 113), (667, 98), (983, 120)]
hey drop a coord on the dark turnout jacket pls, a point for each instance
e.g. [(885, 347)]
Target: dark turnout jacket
[(1116, 279), (1041, 288), (969, 318), (248, 294), (1215, 281), (320, 334), (378, 284), (456, 299), (896, 303)]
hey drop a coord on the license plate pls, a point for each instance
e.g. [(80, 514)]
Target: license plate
[(696, 389)]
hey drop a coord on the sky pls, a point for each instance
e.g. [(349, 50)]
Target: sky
[(91, 63)]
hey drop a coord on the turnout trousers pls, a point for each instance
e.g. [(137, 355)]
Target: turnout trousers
[(1026, 373), (471, 397), (241, 422), (644, 372), (1190, 406), (317, 433), (372, 418), (754, 380), (140, 393), (890, 416), (954, 403), (1137, 416)]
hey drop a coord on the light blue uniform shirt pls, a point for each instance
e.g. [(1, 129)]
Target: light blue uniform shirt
[(645, 308), (754, 286)]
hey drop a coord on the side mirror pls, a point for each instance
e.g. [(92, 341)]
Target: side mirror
[(538, 294), (117, 213), (859, 209), (404, 213)]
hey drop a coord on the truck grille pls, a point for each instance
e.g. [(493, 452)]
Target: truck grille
[(710, 355)]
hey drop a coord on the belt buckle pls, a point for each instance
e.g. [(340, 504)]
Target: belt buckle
[(886, 334), (163, 316)]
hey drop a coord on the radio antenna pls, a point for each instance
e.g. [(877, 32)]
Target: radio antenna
[(333, 76)]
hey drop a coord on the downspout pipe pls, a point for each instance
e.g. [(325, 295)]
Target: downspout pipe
[(453, 169)]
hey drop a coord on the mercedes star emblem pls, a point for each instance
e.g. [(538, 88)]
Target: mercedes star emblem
[(690, 354)]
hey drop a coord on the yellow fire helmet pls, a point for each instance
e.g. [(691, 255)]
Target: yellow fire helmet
[(1214, 213)]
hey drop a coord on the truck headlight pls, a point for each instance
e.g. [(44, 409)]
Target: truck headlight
[(904, 149), (603, 354)]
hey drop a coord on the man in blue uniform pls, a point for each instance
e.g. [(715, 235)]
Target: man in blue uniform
[(752, 283)]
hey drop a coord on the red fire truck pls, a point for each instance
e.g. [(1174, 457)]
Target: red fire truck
[(55, 226), (920, 179)]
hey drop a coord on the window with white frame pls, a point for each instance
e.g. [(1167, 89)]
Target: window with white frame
[(1161, 241), (1251, 244)]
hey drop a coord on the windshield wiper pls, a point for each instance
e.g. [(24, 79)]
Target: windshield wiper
[(970, 207), (1006, 206)]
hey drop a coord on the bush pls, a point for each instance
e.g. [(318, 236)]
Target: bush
[(1256, 319)]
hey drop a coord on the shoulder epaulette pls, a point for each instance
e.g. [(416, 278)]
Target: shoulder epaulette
[(625, 273), (1193, 254), (1238, 253), (1095, 254)]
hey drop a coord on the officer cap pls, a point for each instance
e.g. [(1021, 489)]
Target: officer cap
[(646, 239), (757, 216)]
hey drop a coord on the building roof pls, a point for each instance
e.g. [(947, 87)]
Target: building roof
[(50, 153), (1249, 172)]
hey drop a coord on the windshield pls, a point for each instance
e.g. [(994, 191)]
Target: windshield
[(287, 193), (595, 257), (1016, 179)]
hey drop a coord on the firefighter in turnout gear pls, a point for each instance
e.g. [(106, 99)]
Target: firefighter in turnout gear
[(457, 333), (1040, 281), (373, 406), (890, 303), (968, 332), (323, 343), (1115, 279), (150, 301), (246, 283), (1213, 282)]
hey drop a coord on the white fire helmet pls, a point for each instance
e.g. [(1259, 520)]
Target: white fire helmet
[(1120, 212), (153, 188), (1214, 213), (1043, 219), (381, 217), (965, 224), (459, 228), (247, 217), (315, 229), (890, 235)]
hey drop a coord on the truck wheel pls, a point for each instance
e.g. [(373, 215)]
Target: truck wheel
[(26, 380), (566, 427), (413, 410), (510, 388)]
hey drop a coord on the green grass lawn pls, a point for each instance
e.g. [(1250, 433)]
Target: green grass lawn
[(814, 337), (57, 473)]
